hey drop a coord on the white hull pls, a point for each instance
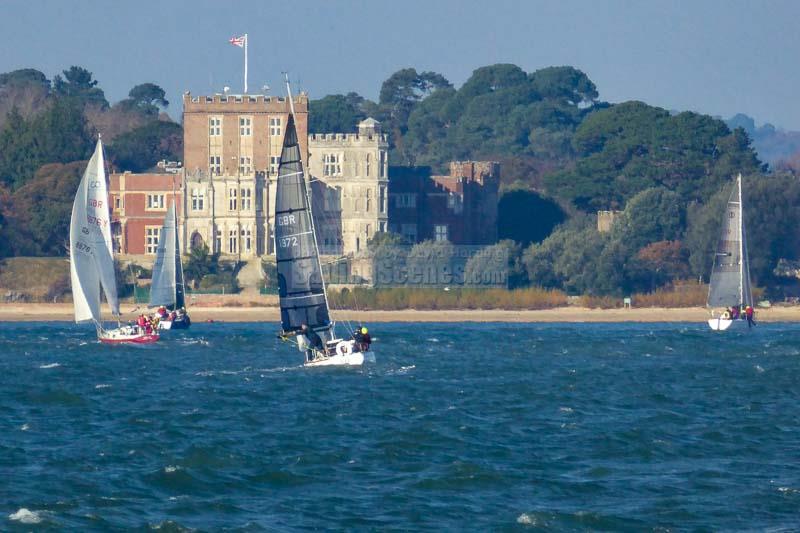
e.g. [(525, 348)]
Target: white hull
[(350, 359), (723, 324), (165, 324)]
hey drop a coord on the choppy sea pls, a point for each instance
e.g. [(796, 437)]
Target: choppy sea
[(479, 427)]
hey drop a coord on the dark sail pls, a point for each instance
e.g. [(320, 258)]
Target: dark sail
[(300, 285), (180, 299)]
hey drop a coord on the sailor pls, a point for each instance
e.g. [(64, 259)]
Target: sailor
[(366, 340), (162, 312), (734, 312), (748, 313), (141, 322), (314, 341)]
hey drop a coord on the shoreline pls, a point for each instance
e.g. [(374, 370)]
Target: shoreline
[(63, 312)]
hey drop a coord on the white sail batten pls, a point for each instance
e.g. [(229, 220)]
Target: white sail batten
[(730, 275), (163, 287), (91, 252)]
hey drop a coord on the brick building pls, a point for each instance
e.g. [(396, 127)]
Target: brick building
[(232, 147), (139, 204), (460, 207)]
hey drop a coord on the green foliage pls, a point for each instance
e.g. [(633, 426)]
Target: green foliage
[(140, 149), (200, 264), (224, 282), (26, 77), (526, 217), (337, 113), (146, 98), (78, 84), (629, 147), (58, 135), (655, 214), (504, 257), (270, 271), (43, 207)]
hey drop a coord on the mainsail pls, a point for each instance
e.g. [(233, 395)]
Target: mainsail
[(300, 285), (90, 252), (167, 284), (730, 275)]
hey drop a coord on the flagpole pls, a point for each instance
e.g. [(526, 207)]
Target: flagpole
[(245, 63)]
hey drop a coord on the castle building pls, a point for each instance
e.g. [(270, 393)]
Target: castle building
[(460, 207), (350, 187), (232, 148)]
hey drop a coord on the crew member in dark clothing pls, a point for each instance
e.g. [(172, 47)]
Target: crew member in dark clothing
[(362, 338), (314, 341)]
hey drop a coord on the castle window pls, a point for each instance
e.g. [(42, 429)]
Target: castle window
[(248, 239), (409, 232), (218, 241), (333, 165), (244, 126), (155, 201), (117, 203), (275, 126), (246, 199), (198, 199), (382, 227), (233, 241), (215, 165), (382, 165), (405, 199), (440, 233), (369, 203), (151, 234), (232, 199), (382, 199), (367, 167), (245, 165), (274, 162), (214, 126)]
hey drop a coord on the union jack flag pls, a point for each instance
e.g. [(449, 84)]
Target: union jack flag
[(238, 41)]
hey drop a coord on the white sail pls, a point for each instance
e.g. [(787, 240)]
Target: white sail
[(163, 287), (730, 276), (91, 253)]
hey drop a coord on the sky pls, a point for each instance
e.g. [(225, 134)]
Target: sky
[(715, 57)]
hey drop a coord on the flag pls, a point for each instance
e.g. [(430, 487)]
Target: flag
[(238, 41)]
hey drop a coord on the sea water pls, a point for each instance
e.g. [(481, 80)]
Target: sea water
[(456, 427)]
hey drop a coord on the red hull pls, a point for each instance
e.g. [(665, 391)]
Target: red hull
[(149, 338)]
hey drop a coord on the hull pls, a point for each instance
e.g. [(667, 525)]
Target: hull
[(174, 324), (350, 359), (723, 324), (126, 336)]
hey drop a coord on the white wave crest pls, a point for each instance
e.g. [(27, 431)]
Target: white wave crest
[(26, 516), (527, 520), (50, 365), (102, 386)]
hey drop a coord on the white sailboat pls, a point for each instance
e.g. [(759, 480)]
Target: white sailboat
[(729, 287), (167, 287), (92, 258), (303, 299)]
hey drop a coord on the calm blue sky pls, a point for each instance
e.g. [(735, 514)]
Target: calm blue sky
[(717, 57)]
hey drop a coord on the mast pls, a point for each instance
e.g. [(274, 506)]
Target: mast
[(741, 243), (311, 217)]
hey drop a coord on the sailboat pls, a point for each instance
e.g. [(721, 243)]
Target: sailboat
[(167, 288), (301, 287), (92, 257), (729, 286)]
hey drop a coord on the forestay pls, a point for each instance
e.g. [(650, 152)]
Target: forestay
[(90, 252), (730, 275), (300, 285), (167, 284)]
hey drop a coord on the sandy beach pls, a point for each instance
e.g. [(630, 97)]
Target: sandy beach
[(63, 312)]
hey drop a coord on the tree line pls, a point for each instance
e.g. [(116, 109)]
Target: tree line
[(48, 129), (565, 154)]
